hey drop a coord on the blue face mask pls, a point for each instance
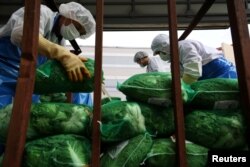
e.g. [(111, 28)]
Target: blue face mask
[(69, 32)]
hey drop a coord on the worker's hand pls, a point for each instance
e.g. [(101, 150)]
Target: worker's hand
[(75, 67), (72, 63), (188, 79)]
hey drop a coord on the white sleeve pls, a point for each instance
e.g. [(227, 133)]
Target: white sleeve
[(46, 20), (17, 27), (17, 19), (153, 66), (156, 65), (191, 60)]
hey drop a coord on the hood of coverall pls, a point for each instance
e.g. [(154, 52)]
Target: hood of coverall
[(160, 45), (77, 12)]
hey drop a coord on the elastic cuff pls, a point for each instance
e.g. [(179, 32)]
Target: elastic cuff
[(189, 79)]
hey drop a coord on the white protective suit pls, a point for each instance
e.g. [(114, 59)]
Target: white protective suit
[(193, 54), (155, 64), (10, 40)]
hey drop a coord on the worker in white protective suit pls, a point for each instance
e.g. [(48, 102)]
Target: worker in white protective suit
[(153, 64), (72, 21), (197, 61)]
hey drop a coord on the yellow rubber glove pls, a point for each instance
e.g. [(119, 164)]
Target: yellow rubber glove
[(188, 79), (73, 64)]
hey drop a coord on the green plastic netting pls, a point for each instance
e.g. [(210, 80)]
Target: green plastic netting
[(110, 99), (51, 77), (53, 97), (5, 115), (216, 129), (153, 88), (58, 151), (163, 154), (50, 119), (217, 93), (159, 121), (121, 120), (129, 153)]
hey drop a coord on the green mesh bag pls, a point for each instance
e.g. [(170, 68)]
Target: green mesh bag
[(58, 151), (106, 100), (163, 154), (50, 119), (159, 121), (216, 129), (53, 97), (121, 120), (51, 77), (56, 118), (217, 93), (153, 88), (5, 116), (129, 153)]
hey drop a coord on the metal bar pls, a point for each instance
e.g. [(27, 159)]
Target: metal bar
[(203, 10), (241, 44), (176, 87), (96, 144), (77, 49), (69, 97), (24, 89)]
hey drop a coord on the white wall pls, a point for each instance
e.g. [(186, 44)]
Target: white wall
[(118, 65)]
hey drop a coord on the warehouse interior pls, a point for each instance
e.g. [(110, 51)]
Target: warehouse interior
[(141, 15)]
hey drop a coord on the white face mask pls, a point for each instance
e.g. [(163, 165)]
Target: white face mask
[(142, 65), (164, 56), (69, 32)]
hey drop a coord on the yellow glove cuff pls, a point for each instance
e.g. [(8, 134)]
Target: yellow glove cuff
[(73, 64), (50, 49), (188, 79)]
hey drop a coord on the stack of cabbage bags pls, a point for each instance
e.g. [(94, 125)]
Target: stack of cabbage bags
[(215, 119), (57, 134), (216, 93)]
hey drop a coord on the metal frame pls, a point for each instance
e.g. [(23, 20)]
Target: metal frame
[(25, 85), (20, 116)]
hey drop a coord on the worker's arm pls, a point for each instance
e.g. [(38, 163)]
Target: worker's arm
[(188, 79), (73, 64), (191, 62)]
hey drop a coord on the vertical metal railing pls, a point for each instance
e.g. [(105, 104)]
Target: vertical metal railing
[(24, 89), (96, 144), (176, 86), (241, 43)]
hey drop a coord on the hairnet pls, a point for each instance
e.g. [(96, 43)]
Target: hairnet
[(139, 55), (77, 12), (161, 43)]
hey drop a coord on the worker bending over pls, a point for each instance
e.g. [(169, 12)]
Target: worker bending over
[(197, 61), (153, 64), (72, 21)]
